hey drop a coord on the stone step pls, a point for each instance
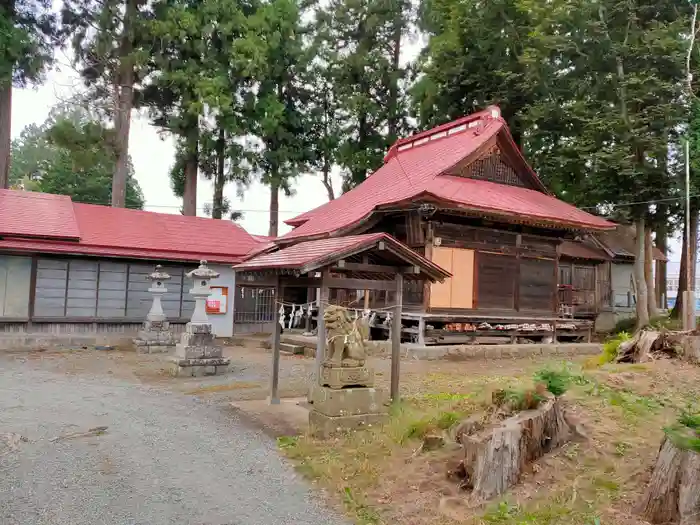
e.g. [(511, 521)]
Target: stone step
[(287, 348)]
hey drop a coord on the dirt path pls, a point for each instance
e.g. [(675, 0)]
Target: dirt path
[(165, 458)]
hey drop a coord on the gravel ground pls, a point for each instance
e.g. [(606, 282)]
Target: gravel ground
[(164, 459)]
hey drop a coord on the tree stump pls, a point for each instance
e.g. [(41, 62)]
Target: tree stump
[(673, 492), (495, 458), (639, 348)]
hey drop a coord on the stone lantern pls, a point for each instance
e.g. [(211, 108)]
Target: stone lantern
[(200, 291), (198, 353), (156, 335)]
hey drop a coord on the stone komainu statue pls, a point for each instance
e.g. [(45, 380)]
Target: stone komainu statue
[(345, 338)]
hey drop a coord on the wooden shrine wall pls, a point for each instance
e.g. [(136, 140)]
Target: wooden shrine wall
[(508, 270), (457, 291)]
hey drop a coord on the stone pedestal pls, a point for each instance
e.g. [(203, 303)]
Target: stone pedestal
[(156, 337), (344, 397), (198, 354), (346, 400), (344, 377)]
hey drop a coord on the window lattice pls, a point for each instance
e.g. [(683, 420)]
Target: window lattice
[(491, 168)]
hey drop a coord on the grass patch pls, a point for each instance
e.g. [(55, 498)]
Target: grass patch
[(556, 381), (611, 347), (365, 514), (287, 442), (685, 434), (379, 477), (551, 513), (406, 428)]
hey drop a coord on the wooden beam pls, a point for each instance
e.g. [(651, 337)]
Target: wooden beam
[(366, 267), (396, 340), (289, 281), (274, 383), (344, 266), (359, 284)]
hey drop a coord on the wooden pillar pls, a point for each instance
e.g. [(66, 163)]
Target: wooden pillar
[(516, 290), (555, 295), (32, 292), (365, 260), (396, 340), (321, 332), (421, 330), (274, 383), (310, 296)]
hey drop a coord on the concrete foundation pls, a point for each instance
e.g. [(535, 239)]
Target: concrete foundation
[(323, 426), (56, 336), (460, 352)]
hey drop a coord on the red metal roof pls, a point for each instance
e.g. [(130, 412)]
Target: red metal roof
[(415, 168), (310, 255), (583, 250), (120, 232), (31, 214)]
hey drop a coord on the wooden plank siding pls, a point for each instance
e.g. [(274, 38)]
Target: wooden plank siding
[(514, 268), (73, 288)]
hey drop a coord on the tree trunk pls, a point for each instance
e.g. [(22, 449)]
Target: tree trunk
[(639, 280), (677, 311), (393, 124), (495, 459), (649, 274), (673, 492), (327, 182), (219, 179), (191, 172), (661, 243), (5, 133), (125, 102), (274, 208)]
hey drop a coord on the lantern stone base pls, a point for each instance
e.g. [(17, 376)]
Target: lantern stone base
[(181, 367), (155, 337), (148, 347), (336, 410)]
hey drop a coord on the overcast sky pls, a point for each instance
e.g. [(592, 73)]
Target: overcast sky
[(152, 155)]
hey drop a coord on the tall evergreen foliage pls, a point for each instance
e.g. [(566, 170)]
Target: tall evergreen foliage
[(28, 34)]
